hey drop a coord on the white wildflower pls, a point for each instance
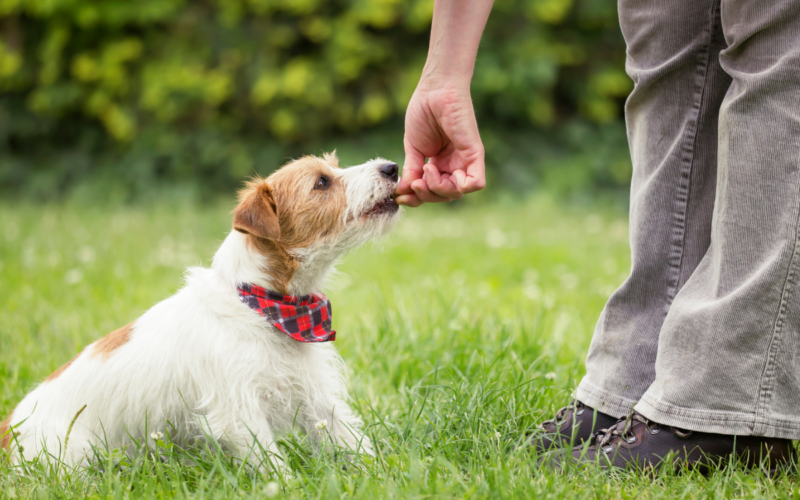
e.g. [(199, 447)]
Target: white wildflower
[(497, 435), (272, 489), (550, 376), (322, 424), (156, 436)]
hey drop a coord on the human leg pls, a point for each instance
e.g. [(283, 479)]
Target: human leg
[(727, 368), (671, 117), (672, 130), (729, 350)]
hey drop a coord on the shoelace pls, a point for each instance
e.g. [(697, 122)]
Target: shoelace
[(602, 439), (562, 413)]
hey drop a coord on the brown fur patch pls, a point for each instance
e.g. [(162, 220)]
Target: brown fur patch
[(256, 212), (113, 341), (58, 372), (305, 215), (5, 440), (282, 264)]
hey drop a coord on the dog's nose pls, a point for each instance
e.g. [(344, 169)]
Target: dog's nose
[(390, 171)]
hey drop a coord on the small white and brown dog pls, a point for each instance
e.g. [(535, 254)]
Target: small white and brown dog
[(203, 363)]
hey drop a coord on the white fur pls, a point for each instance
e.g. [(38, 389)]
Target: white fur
[(201, 363)]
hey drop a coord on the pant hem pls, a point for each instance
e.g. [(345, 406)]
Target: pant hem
[(716, 422), (603, 400)]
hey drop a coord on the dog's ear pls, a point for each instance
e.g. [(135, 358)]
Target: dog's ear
[(331, 158), (257, 213)]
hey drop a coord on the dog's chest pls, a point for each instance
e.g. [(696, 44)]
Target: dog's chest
[(290, 369)]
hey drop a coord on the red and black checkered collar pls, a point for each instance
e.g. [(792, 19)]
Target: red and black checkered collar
[(305, 319)]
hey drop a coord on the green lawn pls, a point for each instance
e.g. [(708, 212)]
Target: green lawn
[(462, 330)]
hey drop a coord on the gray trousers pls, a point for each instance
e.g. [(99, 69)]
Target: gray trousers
[(705, 333)]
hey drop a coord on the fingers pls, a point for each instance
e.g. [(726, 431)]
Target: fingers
[(412, 169), (409, 200), (472, 179), (440, 184), (422, 183), (408, 176), (422, 191)]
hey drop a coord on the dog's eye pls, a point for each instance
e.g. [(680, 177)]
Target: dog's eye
[(323, 182)]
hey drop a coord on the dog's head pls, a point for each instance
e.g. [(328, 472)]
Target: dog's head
[(310, 212)]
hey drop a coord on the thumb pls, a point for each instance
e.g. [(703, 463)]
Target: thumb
[(471, 180), (412, 170)]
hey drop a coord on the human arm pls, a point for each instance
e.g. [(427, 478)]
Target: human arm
[(440, 121)]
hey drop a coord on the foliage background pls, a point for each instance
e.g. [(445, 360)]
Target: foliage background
[(103, 98)]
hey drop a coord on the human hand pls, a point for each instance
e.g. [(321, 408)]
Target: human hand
[(441, 126)]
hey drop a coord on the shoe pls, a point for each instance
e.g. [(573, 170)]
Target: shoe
[(572, 425), (636, 442)]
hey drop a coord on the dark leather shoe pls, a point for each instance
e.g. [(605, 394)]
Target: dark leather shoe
[(571, 426), (636, 442)]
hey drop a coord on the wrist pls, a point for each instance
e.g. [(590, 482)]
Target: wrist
[(437, 76)]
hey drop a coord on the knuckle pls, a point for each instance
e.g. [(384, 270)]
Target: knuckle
[(475, 185)]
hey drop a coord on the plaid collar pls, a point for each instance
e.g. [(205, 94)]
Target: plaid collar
[(305, 319)]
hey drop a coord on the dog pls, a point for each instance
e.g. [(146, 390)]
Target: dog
[(218, 359)]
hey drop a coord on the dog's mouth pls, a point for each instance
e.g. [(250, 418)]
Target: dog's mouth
[(387, 206)]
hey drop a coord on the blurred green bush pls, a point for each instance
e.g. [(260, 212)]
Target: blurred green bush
[(141, 94)]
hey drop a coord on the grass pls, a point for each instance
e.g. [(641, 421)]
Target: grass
[(463, 330)]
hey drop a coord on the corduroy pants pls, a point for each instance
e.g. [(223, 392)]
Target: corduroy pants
[(705, 333)]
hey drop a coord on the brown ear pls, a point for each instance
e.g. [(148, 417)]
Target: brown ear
[(256, 213)]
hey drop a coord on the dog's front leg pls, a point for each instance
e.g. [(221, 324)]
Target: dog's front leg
[(262, 445), (250, 439), (335, 420)]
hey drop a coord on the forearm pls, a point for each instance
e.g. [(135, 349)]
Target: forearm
[(455, 35)]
